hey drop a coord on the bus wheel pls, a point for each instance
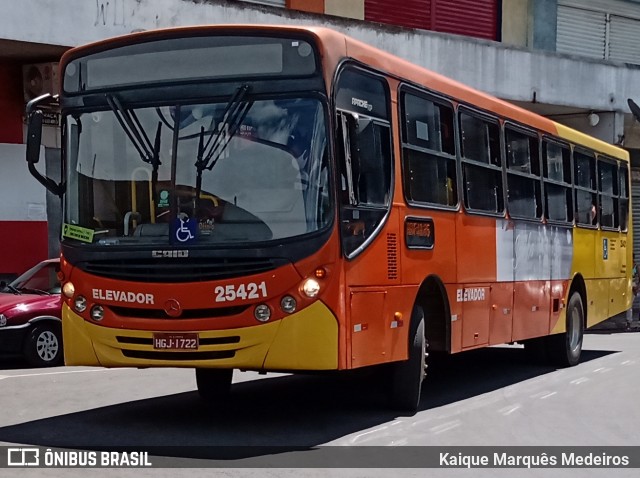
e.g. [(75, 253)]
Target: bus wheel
[(214, 384), (564, 349), (407, 376), (43, 346)]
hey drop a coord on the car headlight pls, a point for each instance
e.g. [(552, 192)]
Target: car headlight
[(3, 320)]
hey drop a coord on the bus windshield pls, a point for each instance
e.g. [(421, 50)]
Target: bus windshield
[(228, 172)]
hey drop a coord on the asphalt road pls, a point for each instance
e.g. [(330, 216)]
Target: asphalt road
[(486, 397)]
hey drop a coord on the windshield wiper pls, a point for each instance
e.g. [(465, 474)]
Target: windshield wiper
[(232, 117), (149, 153), (37, 291), (12, 289)]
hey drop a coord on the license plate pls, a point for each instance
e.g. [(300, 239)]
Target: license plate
[(169, 341)]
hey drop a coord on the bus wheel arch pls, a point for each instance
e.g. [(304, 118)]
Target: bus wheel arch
[(432, 298), (564, 349), (429, 330), (579, 285)]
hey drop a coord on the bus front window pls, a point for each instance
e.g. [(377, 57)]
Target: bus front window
[(199, 173)]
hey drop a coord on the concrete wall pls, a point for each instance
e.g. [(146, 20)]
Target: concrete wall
[(11, 103), (23, 213), (508, 72)]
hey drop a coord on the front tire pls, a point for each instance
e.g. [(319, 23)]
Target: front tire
[(407, 376), (564, 349), (43, 346), (214, 384)]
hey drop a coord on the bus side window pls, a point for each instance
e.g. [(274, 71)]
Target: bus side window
[(428, 150), (364, 149), (481, 164), (364, 155), (585, 185)]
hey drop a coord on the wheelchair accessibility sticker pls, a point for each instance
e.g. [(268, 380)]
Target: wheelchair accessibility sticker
[(183, 230)]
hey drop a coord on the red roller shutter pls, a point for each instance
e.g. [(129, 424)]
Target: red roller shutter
[(474, 18), (412, 13)]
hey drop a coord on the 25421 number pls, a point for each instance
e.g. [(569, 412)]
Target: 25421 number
[(248, 291)]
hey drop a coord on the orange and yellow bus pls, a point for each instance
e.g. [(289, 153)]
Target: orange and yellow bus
[(290, 199)]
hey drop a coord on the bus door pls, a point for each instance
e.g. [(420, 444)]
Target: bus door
[(363, 144)]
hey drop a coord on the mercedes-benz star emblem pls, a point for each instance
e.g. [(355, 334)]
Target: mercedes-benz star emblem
[(172, 308)]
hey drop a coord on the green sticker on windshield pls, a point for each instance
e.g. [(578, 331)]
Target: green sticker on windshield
[(76, 232)]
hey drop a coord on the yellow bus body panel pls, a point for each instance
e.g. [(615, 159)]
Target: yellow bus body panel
[(305, 340)]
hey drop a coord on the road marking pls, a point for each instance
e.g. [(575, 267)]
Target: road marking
[(509, 410), (580, 380), (602, 370), (540, 394), (57, 373), (550, 394), (628, 362), (445, 426), (375, 430), (401, 442)]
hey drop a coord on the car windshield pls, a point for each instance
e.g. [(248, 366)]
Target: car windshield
[(41, 279), (235, 171)]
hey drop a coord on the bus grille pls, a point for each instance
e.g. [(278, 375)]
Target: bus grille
[(392, 256), (181, 270), (128, 312)]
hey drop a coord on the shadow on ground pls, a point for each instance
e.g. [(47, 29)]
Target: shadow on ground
[(288, 412)]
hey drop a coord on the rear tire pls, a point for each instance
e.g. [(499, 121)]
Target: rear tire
[(564, 349), (214, 384), (43, 346), (407, 376)]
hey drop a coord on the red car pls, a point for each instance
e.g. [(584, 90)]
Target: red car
[(30, 322)]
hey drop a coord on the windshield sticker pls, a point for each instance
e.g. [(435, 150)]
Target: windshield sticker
[(206, 227), (184, 230), (362, 104), (164, 198), (78, 233)]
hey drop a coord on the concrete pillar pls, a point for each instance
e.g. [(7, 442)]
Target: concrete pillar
[(515, 22), (345, 8), (543, 26), (313, 6)]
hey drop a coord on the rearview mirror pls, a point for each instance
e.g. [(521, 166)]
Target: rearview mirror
[(34, 142), (34, 136)]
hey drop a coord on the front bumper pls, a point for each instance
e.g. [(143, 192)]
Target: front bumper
[(305, 340)]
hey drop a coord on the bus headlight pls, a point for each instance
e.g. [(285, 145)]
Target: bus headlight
[(97, 313), (68, 289), (288, 304), (311, 287), (80, 303), (262, 313)]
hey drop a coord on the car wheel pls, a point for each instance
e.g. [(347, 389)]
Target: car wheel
[(43, 346)]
